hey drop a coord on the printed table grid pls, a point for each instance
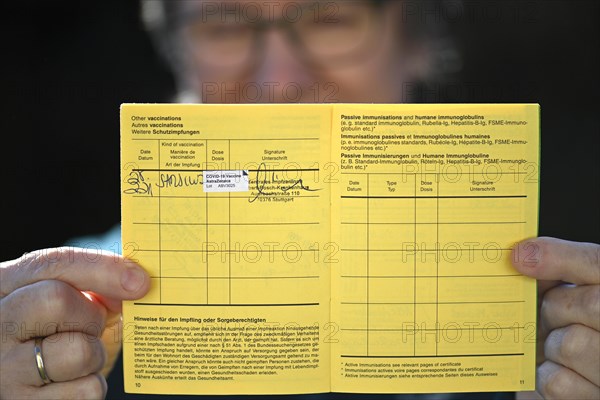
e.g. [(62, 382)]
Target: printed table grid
[(212, 272), (424, 294)]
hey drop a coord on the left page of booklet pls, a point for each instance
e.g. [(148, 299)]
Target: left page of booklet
[(228, 209)]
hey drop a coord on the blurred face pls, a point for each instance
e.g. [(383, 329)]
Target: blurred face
[(301, 51)]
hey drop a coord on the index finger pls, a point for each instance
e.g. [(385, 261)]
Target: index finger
[(101, 272), (546, 258)]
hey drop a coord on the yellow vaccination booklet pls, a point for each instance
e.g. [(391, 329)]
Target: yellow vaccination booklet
[(329, 248)]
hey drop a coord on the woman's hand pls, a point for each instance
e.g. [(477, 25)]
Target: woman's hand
[(68, 299)]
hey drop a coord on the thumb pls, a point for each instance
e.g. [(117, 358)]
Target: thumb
[(106, 274), (551, 259)]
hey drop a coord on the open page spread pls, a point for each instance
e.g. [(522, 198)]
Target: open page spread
[(316, 248)]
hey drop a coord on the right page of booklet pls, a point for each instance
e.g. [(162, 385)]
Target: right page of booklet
[(429, 203)]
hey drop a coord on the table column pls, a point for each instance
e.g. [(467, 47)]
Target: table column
[(138, 182), (218, 239), (354, 262), (426, 264), (182, 223), (391, 260), (480, 215)]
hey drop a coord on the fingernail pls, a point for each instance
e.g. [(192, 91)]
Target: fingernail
[(132, 279)]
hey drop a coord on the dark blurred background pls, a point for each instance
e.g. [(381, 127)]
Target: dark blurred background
[(68, 65)]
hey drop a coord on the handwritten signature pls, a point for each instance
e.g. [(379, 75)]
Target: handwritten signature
[(177, 180), (262, 179), (138, 184)]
